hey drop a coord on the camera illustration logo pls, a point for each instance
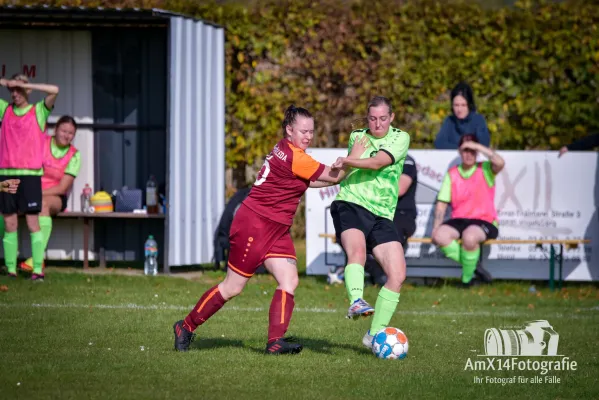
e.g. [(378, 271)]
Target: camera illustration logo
[(537, 338)]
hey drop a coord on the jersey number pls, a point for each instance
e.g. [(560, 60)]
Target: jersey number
[(264, 171)]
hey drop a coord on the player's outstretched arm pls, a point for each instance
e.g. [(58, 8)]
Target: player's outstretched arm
[(329, 177), (382, 159), (50, 90)]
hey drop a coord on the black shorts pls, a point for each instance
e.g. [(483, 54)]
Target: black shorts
[(460, 224), (377, 230), (27, 200), (64, 201), (405, 223)]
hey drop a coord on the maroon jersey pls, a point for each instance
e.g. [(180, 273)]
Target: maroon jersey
[(282, 181)]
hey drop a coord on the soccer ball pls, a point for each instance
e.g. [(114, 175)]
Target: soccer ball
[(390, 344), (336, 275)]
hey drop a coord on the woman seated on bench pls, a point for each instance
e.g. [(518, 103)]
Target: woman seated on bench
[(62, 162), (470, 189)]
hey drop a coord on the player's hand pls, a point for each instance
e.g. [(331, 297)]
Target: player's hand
[(562, 151), (470, 145), (3, 82), (359, 147), (339, 164), (10, 185)]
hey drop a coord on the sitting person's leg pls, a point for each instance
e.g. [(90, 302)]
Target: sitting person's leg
[(472, 237), (51, 206), (446, 238)]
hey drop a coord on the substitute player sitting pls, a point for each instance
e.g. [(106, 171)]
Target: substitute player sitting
[(260, 234), (363, 214), (470, 189)]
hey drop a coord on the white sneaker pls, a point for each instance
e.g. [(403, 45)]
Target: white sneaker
[(367, 340)]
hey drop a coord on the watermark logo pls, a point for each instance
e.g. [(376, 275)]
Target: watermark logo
[(531, 348), (537, 338)]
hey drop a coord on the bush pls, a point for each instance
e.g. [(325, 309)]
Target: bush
[(534, 67)]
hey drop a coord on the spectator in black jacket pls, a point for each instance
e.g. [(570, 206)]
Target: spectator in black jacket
[(586, 143)]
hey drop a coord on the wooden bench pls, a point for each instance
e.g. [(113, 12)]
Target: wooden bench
[(87, 217), (553, 254)]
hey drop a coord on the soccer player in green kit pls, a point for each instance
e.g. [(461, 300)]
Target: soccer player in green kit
[(363, 214)]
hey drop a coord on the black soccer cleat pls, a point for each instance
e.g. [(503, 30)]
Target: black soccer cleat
[(183, 337), (483, 275), (283, 346)]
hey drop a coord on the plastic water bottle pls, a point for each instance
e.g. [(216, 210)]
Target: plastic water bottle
[(151, 254), (86, 196), (152, 196)]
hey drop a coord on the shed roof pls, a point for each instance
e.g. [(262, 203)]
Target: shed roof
[(49, 16)]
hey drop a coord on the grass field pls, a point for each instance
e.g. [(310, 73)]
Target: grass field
[(78, 336)]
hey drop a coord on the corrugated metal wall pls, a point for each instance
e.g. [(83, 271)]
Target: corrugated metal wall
[(62, 58), (196, 193)]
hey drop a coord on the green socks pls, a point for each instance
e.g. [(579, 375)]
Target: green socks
[(354, 281), (11, 245), (46, 229), (386, 303), (469, 259), (1, 226), (37, 251), (452, 251)]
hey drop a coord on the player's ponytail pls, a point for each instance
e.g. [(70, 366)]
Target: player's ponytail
[(291, 114)]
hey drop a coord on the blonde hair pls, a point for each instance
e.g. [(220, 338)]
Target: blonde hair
[(20, 77)]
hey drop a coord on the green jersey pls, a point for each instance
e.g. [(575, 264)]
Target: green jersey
[(377, 191)]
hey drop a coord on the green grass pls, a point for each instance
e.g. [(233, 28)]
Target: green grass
[(78, 336)]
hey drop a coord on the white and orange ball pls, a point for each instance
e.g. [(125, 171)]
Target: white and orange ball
[(390, 344)]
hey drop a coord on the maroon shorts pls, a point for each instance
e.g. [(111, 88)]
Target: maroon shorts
[(254, 238)]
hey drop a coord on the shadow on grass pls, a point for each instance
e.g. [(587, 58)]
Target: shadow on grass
[(213, 343), (321, 346), (317, 345)]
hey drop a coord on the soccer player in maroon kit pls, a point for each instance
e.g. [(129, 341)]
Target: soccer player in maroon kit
[(260, 233)]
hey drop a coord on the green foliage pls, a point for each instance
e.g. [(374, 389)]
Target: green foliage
[(534, 67)]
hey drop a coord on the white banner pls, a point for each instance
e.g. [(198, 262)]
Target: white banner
[(538, 196)]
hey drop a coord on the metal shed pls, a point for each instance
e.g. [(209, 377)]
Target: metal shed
[(147, 87)]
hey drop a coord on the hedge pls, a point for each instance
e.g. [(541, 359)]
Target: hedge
[(534, 67)]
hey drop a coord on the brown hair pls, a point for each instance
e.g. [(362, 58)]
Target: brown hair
[(379, 100), (291, 114), (469, 137), (66, 119), (20, 77)]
